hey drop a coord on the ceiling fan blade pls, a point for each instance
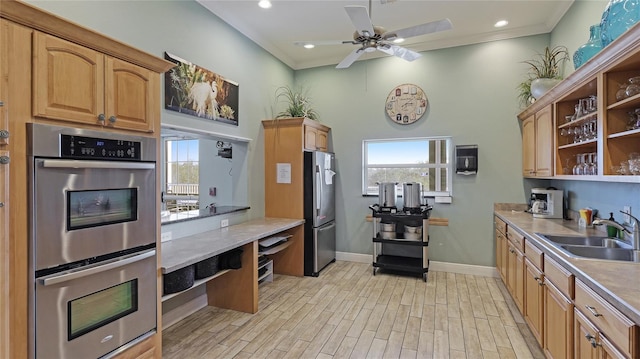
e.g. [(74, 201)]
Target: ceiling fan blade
[(360, 19), (353, 56), (320, 43), (402, 52), (418, 30)]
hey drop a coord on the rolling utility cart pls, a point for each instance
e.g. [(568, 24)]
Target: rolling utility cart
[(401, 239)]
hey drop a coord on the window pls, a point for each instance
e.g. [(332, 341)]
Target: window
[(424, 160), (182, 172)]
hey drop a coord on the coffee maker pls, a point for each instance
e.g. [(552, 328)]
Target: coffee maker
[(546, 203)]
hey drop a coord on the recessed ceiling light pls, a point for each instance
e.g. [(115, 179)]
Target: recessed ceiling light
[(265, 4), (309, 46), (398, 40), (501, 23)]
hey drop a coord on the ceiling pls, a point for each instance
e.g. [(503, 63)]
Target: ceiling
[(287, 21)]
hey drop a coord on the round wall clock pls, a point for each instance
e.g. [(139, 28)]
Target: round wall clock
[(406, 104)]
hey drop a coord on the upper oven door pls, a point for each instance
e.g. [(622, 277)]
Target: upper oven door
[(83, 209)]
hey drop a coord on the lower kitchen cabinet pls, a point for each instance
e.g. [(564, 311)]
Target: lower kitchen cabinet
[(515, 274), (501, 247), (558, 323), (534, 299)]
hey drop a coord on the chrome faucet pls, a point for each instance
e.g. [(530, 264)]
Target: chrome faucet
[(635, 239)]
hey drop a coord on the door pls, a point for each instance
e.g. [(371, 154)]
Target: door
[(324, 188), (324, 244)]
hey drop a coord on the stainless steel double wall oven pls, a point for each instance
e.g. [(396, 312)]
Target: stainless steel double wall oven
[(92, 243)]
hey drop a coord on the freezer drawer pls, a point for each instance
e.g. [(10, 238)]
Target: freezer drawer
[(319, 248)]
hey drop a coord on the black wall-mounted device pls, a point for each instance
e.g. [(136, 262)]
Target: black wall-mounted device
[(467, 159)]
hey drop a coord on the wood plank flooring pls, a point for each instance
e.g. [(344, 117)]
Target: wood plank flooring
[(349, 313)]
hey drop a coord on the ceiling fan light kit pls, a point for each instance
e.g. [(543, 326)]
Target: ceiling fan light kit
[(371, 37)]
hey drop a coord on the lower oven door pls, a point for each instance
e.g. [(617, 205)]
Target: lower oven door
[(91, 311)]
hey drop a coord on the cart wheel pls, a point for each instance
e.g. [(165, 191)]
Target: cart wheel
[(374, 271), (424, 277)]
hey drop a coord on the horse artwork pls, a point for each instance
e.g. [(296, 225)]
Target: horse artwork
[(196, 91)]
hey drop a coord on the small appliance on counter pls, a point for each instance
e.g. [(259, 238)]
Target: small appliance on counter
[(546, 203)]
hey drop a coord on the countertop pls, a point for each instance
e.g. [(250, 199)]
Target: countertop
[(181, 252), (616, 281)]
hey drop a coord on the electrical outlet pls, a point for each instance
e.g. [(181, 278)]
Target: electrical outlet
[(165, 236), (625, 218), (224, 223)]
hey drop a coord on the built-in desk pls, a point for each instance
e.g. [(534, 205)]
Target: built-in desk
[(238, 289)]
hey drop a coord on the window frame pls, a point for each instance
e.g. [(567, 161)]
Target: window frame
[(166, 169), (437, 166)]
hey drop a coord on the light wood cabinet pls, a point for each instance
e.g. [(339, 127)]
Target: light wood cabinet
[(315, 138), (615, 138), (76, 84), (558, 323), (501, 248), (515, 274), (69, 77), (534, 300), (537, 144)]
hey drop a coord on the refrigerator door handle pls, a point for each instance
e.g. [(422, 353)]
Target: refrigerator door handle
[(318, 188)]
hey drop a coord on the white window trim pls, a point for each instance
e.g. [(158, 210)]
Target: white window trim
[(437, 167)]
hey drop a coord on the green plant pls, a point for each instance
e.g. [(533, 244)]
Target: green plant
[(546, 65), (297, 102)]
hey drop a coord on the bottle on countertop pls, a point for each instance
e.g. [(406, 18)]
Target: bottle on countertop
[(612, 231)]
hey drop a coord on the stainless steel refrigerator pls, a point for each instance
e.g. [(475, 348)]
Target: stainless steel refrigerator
[(319, 211)]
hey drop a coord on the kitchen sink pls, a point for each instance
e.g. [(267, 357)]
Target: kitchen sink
[(592, 241), (595, 247), (618, 254)]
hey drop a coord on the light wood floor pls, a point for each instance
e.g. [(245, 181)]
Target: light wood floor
[(349, 313)]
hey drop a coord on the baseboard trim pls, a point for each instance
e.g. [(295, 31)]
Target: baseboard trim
[(433, 265)]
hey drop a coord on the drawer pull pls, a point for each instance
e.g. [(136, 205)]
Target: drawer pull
[(593, 311), (592, 340), (540, 283), (511, 250), (101, 117)]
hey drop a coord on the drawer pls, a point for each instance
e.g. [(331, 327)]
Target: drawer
[(559, 276), (516, 238), (613, 324), (533, 254), (501, 226)]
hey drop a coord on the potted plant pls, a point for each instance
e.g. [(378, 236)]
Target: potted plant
[(297, 102), (545, 71)]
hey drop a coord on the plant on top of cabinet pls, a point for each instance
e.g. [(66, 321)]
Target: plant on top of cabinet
[(297, 102), (545, 71)]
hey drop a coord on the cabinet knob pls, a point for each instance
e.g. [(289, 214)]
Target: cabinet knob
[(1, 204), (101, 117), (593, 311), (112, 119), (592, 340), (4, 160), (4, 134)]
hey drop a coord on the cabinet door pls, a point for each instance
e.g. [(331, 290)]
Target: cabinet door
[(321, 140), (501, 255), (544, 142), (534, 299), (608, 350), (585, 339), (528, 147), (310, 136), (558, 323), (4, 258), (515, 275), (132, 100), (68, 81)]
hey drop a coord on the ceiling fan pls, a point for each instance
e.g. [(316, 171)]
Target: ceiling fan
[(369, 37)]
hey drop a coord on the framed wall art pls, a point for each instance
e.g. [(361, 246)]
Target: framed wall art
[(196, 91)]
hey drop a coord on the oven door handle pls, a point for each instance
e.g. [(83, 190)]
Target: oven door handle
[(98, 164), (79, 273)]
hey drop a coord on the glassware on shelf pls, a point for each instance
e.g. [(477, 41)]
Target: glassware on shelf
[(567, 169), (634, 120), (624, 168), (634, 86), (634, 166), (621, 94), (592, 168)]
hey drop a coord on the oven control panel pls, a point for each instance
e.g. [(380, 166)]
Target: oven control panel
[(81, 147)]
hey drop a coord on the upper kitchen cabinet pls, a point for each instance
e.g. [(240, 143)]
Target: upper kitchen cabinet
[(537, 144), (311, 135), (595, 132), (77, 84)]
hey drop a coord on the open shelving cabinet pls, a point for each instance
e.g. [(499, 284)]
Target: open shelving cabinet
[(601, 76)]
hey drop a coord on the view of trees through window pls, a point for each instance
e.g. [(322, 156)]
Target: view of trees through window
[(421, 160), (182, 174)]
